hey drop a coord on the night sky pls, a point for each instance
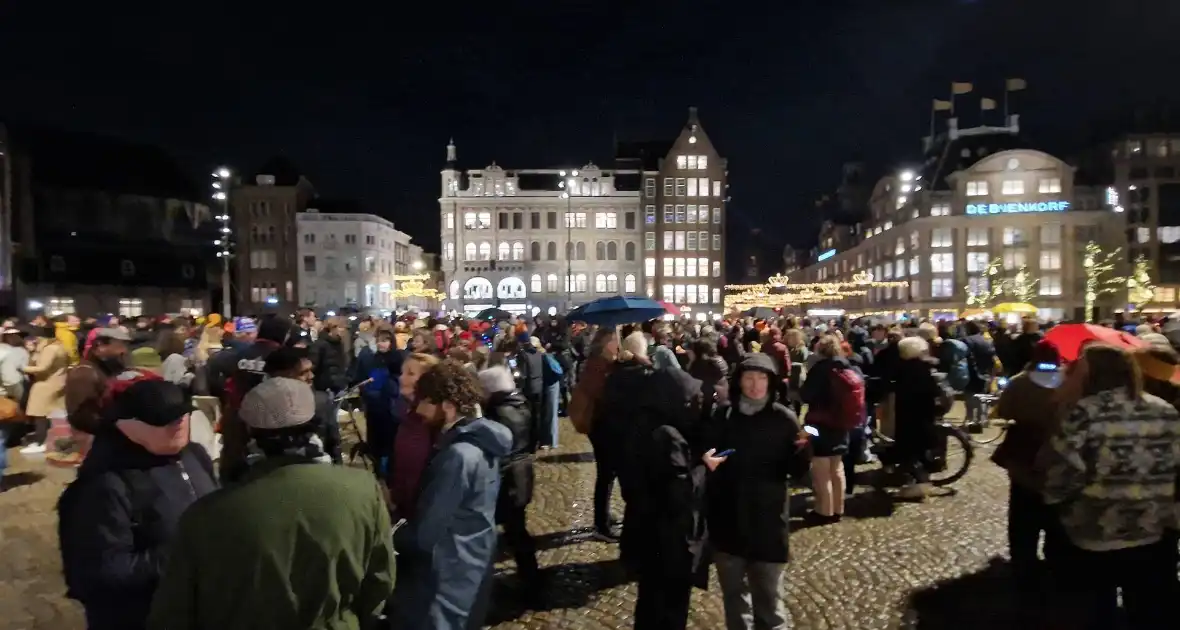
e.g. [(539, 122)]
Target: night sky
[(363, 99)]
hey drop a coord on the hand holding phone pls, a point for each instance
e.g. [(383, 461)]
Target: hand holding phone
[(726, 453), (712, 460)]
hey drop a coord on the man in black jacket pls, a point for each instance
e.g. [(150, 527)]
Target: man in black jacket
[(329, 360)]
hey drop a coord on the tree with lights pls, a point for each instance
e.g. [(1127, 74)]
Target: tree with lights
[(986, 297), (1140, 289), (1099, 267), (1023, 287)]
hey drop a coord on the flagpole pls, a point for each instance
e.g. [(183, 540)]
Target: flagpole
[(1006, 92)]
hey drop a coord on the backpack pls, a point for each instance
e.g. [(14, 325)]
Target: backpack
[(553, 370), (848, 402), (959, 373)]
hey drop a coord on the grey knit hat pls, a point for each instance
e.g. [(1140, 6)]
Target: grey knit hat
[(278, 403)]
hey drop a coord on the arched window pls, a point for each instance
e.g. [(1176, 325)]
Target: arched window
[(551, 251), (569, 250), (551, 282), (518, 250), (600, 251), (449, 251), (629, 283), (535, 283), (612, 283), (535, 250), (454, 289), (600, 283), (503, 251), (469, 251), (612, 251), (485, 251), (580, 283), (629, 251), (580, 254)]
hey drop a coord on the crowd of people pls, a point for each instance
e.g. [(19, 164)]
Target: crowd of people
[(702, 426)]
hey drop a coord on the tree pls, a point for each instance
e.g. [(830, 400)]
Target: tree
[(1022, 287), (1099, 266), (1140, 289), (987, 296)]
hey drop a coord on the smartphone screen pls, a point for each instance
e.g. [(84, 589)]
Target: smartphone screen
[(812, 431)]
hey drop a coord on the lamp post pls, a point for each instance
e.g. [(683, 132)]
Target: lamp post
[(567, 186), (222, 181)]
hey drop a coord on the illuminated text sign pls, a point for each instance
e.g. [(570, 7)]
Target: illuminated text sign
[(1013, 208), (826, 255)]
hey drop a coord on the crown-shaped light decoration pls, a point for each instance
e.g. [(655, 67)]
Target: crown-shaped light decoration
[(862, 277), (778, 280), (413, 286)]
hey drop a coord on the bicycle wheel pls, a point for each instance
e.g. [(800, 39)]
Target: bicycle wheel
[(957, 455), (987, 432)]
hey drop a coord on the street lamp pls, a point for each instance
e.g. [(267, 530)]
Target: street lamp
[(222, 182), (567, 187)]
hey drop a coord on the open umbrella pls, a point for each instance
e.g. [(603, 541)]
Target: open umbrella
[(1023, 308), (670, 309), (761, 312), (1071, 338), (493, 314), (616, 310)]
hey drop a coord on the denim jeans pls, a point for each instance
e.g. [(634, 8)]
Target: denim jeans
[(604, 481), (550, 403), (751, 592)]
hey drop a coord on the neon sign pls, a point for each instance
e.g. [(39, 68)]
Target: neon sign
[(1014, 208), (826, 255)]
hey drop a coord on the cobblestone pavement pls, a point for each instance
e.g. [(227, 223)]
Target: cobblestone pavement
[(878, 569)]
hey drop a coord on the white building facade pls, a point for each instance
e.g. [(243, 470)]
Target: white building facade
[(537, 241), (350, 260)]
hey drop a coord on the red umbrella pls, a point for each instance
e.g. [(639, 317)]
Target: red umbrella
[(1071, 338), (670, 309)]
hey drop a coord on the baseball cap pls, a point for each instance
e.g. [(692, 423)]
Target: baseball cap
[(245, 325), (155, 402), (278, 403)]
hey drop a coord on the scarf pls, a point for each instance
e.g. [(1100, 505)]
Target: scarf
[(750, 406), (305, 444)]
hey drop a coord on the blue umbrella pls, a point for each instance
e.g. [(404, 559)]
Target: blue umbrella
[(616, 310)]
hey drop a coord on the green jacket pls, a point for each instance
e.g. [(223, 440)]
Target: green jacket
[(292, 545)]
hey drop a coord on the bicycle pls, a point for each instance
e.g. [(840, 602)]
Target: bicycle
[(985, 430), (348, 401), (948, 461)]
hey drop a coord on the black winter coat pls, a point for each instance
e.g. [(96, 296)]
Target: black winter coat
[(116, 522), (748, 508), (517, 476), (329, 359)]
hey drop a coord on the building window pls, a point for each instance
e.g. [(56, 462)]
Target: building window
[(940, 210), (1168, 234), (649, 267), (649, 187), (649, 241), (716, 188), (977, 284), (976, 262), (1014, 259), (899, 266), (629, 221), (612, 283), (716, 242), (575, 220), (1142, 235), (1049, 185), (942, 287), (551, 220), (668, 236), (535, 250), (629, 251), (716, 296), (503, 251), (681, 187), (649, 215), (716, 215), (692, 187), (1050, 284), (691, 214), (682, 162), (629, 283), (600, 283), (690, 267), (703, 241), (350, 239), (485, 251), (669, 264), (606, 220), (518, 250), (579, 283), (668, 183), (679, 213), (309, 264), (716, 268), (1013, 236), (1012, 187), (942, 237), (1051, 234), (976, 189), (679, 241), (469, 251), (942, 263), (976, 237), (669, 217), (130, 307), (551, 251), (309, 239), (1050, 259), (692, 241)]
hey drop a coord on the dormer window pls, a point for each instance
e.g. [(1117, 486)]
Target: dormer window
[(977, 189)]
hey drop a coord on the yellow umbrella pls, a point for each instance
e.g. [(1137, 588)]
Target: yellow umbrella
[(1015, 307), (973, 313)]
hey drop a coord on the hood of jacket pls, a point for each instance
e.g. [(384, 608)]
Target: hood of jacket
[(755, 361), (490, 436)]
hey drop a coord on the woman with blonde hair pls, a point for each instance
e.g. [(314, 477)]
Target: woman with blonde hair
[(1111, 472)]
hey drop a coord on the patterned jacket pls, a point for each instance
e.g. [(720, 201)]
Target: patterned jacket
[(1112, 470)]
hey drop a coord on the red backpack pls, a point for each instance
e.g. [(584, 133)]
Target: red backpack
[(847, 411)]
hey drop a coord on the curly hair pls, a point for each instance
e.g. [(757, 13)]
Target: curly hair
[(450, 381)]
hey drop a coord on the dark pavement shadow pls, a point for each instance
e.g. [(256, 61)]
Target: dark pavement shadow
[(984, 600), (16, 480), (566, 458), (565, 586), (868, 505)]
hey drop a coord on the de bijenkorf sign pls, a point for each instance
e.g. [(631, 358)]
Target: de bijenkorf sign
[(1014, 208)]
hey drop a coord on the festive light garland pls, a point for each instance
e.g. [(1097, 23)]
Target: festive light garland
[(415, 286), (779, 291)]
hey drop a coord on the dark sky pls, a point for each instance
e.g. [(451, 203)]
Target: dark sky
[(364, 98)]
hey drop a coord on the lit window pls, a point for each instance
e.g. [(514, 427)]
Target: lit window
[(679, 241), (942, 237), (977, 284), (485, 221), (940, 210), (679, 273), (535, 283), (629, 283), (679, 213), (485, 251), (942, 263), (692, 187), (915, 289), (469, 251), (668, 213), (1049, 185), (703, 214), (887, 271), (889, 225), (901, 201), (668, 236), (503, 251), (691, 296), (703, 186), (1014, 259), (682, 162), (649, 267), (1169, 234), (448, 251), (716, 215), (470, 221), (606, 220), (1051, 234), (692, 241), (716, 268), (129, 307), (668, 183), (976, 236), (1014, 236), (716, 296), (575, 219), (692, 162), (449, 220), (703, 241), (899, 268), (649, 215), (915, 214), (1164, 294), (1143, 235), (899, 249), (690, 267), (551, 283), (941, 288), (1050, 284), (702, 162), (666, 291), (668, 265), (649, 241), (1050, 259), (649, 187), (716, 242), (681, 187), (977, 189), (1012, 187), (692, 213), (518, 250), (600, 283), (612, 283), (915, 239), (976, 262), (678, 292), (716, 188)]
